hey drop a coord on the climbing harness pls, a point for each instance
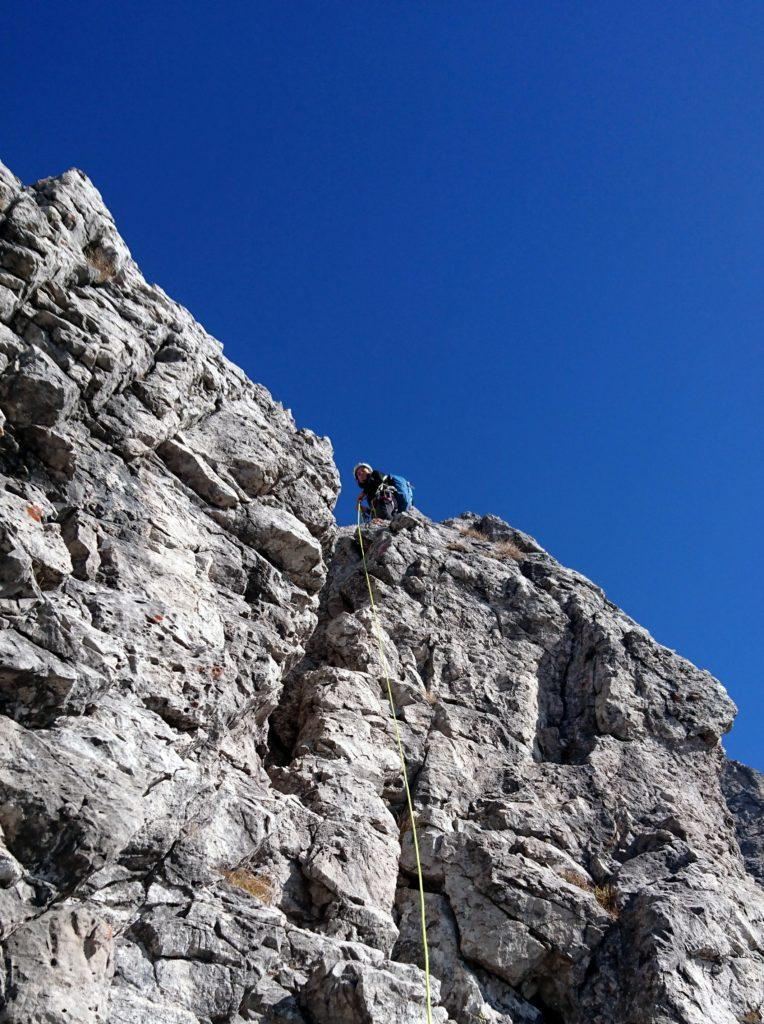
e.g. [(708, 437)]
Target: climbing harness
[(404, 773)]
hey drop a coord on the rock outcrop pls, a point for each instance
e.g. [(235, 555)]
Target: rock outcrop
[(200, 797), (744, 789)]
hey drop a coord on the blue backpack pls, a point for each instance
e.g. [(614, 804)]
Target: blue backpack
[(405, 492)]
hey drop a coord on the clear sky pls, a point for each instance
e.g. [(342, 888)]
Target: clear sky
[(511, 250)]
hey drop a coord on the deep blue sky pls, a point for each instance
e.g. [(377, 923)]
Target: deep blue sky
[(514, 251)]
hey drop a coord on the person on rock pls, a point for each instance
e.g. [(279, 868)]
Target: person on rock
[(385, 494)]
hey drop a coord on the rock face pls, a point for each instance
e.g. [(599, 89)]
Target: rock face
[(744, 790), (200, 797)]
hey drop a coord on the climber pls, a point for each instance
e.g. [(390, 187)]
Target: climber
[(385, 494)]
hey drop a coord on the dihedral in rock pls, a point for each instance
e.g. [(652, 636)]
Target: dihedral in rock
[(200, 798)]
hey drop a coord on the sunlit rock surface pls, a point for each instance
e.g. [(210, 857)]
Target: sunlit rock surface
[(200, 795)]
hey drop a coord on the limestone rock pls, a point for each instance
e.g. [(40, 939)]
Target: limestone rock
[(193, 470), (348, 993), (64, 962), (744, 789), (202, 815)]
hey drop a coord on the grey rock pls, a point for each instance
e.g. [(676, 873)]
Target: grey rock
[(79, 533), (62, 961), (343, 992), (743, 789), (201, 803), (193, 470), (285, 541), (11, 871), (38, 393)]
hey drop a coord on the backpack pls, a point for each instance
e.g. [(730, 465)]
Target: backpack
[(404, 491)]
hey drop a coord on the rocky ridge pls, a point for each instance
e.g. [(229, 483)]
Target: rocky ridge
[(200, 799)]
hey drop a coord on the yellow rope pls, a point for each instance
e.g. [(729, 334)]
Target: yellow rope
[(386, 670)]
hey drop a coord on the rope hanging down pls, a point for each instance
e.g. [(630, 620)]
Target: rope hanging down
[(404, 773)]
